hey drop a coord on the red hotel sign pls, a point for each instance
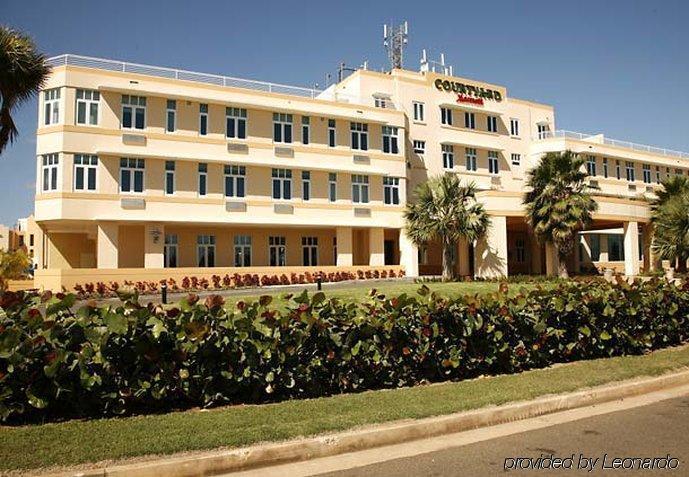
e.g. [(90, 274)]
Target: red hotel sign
[(462, 98)]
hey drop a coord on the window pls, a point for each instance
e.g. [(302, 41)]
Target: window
[(605, 167), (380, 102), (332, 141), (516, 159), (419, 147), (171, 116), (678, 172), (647, 173), (305, 129), (469, 120), (235, 181), (51, 105), (282, 184), (520, 250), (448, 156), (391, 190), (87, 107), (359, 133), (422, 255), (470, 154), (542, 131), (235, 123), (591, 165), (418, 111), (203, 179), (169, 177), (132, 175), (242, 250), (335, 250), (492, 124), (203, 119), (617, 170), (615, 248), (85, 171), (133, 112), (309, 251), (170, 251), (50, 170), (446, 116), (514, 127), (306, 185), (277, 251), (493, 165), (595, 247), (205, 250), (630, 171), (390, 140), (332, 187), (282, 127), (359, 189), (658, 179)]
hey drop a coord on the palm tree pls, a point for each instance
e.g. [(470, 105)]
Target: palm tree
[(447, 211), (670, 219), (559, 202), (23, 70)]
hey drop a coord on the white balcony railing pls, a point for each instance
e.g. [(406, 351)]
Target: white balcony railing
[(600, 139)]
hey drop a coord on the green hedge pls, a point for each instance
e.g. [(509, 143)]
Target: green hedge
[(57, 363)]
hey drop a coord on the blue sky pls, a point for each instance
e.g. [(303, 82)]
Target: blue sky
[(618, 67)]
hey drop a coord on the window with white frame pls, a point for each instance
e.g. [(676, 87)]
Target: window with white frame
[(514, 127), (235, 181), (132, 175), (618, 174), (646, 168), (309, 251), (282, 184), (85, 172), (203, 179), (471, 161), (446, 116), (51, 106), (493, 163), (306, 185), (332, 133), (542, 131), (419, 114), (419, 146), (203, 119), (133, 112), (390, 140), (170, 251), (282, 127), (359, 189), (630, 171), (235, 123), (242, 250), (332, 187), (391, 190), (205, 250), (171, 116), (380, 102), (516, 159), (448, 156), (520, 250), (469, 120), (492, 123), (87, 107), (50, 169), (591, 165), (169, 177), (605, 167), (359, 133), (658, 178), (305, 129), (277, 251)]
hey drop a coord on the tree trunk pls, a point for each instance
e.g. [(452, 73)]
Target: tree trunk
[(562, 265), (448, 265)]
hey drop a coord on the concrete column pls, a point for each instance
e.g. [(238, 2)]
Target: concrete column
[(409, 255), (376, 247), (463, 258), (551, 260), (106, 244), (631, 249), (345, 250), (154, 244), (651, 261), (491, 250)]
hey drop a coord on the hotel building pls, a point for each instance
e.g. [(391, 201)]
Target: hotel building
[(149, 173)]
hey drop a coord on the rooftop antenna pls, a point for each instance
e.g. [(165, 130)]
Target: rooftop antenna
[(435, 66), (395, 39)]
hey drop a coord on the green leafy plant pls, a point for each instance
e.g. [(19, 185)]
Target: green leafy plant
[(13, 266)]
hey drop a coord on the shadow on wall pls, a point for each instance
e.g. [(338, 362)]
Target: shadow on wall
[(490, 264)]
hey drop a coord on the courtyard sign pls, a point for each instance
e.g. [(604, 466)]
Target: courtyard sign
[(468, 93)]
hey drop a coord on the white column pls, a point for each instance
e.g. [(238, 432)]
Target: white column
[(376, 247), (491, 250), (409, 255), (154, 244), (345, 257), (107, 253), (631, 249)]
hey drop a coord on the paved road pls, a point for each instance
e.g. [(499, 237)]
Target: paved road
[(654, 430)]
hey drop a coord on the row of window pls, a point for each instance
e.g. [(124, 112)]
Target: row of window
[(447, 118), (242, 251), (648, 174), (132, 178)]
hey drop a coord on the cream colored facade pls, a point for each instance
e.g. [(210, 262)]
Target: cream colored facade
[(131, 158)]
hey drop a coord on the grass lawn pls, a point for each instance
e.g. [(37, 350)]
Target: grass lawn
[(76, 442)]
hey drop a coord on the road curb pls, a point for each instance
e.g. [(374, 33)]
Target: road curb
[(380, 435)]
